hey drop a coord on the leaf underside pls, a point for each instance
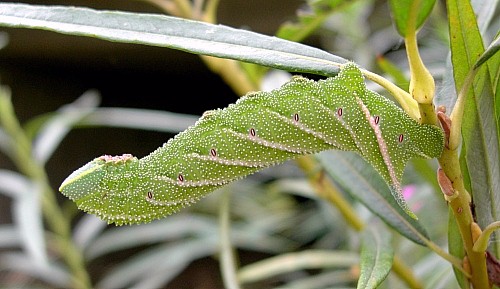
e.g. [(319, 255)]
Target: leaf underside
[(376, 258), (176, 33), (260, 130)]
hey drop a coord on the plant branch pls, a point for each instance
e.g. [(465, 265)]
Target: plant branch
[(460, 206), (405, 273)]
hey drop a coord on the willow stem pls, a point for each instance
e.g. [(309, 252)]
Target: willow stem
[(463, 215)]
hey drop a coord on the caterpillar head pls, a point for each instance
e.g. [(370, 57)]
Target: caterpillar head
[(102, 182)]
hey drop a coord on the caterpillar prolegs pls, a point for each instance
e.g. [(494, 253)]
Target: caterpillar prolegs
[(259, 130)]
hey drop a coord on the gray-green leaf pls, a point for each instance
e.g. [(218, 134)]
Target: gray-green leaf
[(376, 257), (172, 32)]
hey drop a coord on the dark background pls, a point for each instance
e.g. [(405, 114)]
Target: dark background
[(46, 70)]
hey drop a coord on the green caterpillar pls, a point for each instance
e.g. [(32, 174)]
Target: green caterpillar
[(260, 130)]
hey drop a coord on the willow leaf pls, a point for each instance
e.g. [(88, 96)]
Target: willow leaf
[(172, 32), (376, 258), (480, 130), (362, 183), (489, 52), (401, 13)]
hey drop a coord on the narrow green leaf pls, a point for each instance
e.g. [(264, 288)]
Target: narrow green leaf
[(158, 265), (289, 262), (328, 279), (55, 128), (376, 257), (176, 33), (27, 215), (485, 10), (466, 42), (362, 182), (13, 184), (489, 52), (400, 10), (145, 119), (479, 126), (177, 227), (53, 274), (480, 137)]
